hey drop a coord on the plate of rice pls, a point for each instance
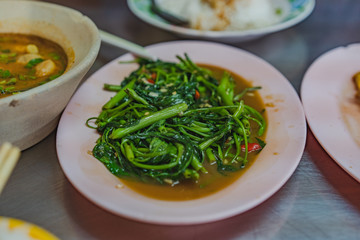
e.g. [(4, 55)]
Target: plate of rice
[(225, 20)]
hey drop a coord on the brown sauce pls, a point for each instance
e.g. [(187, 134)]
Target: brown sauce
[(27, 61), (208, 183)]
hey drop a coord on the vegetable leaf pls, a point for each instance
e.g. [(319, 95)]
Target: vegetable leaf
[(33, 62)]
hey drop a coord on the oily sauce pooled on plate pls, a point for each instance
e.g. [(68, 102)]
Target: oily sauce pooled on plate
[(27, 61), (208, 183)]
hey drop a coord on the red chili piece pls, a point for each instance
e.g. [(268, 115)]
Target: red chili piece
[(251, 147), (197, 94), (152, 78)]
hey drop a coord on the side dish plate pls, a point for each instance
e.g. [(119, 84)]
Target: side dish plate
[(294, 12), (12, 228), (332, 111), (275, 164)]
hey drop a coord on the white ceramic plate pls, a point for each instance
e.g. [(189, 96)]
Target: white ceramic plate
[(293, 12), (333, 113), (275, 164)]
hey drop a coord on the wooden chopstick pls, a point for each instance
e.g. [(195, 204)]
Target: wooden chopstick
[(9, 155)]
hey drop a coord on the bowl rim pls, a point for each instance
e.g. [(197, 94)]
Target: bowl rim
[(72, 71)]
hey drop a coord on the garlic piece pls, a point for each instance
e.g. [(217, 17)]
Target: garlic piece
[(24, 59), (31, 48), (45, 68)]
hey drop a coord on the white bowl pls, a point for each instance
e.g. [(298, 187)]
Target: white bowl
[(28, 117)]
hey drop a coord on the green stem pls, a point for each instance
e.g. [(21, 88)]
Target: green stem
[(119, 96), (226, 90), (196, 164), (210, 109), (245, 138), (258, 116), (150, 119), (180, 149), (135, 96), (191, 173), (204, 145), (111, 87), (238, 147), (210, 155), (128, 152), (246, 90), (239, 110)]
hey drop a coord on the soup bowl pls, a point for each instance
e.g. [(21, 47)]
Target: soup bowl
[(28, 117)]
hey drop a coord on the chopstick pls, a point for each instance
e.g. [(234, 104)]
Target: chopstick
[(9, 155)]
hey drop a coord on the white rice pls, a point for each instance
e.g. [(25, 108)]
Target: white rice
[(225, 15)]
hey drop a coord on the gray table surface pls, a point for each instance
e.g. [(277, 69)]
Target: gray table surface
[(320, 201)]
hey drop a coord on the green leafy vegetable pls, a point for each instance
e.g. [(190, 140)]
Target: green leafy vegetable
[(33, 62), (5, 73), (6, 56), (12, 81), (52, 77), (167, 118), (54, 56)]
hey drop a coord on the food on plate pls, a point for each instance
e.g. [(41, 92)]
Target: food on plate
[(220, 15), (12, 229), (356, 79), (27, 61), (171, 122)]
